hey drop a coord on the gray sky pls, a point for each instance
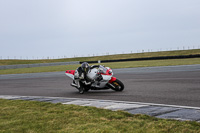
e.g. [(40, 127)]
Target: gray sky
[(41, 28)]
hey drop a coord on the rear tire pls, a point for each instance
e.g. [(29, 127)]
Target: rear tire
[(119, 86), (86, 88)]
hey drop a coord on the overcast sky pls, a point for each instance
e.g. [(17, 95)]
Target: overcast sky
[(41, 28)]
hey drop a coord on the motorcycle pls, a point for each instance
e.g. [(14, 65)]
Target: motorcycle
[(107, 80)]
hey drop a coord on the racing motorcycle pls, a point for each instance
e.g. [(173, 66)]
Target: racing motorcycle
[(107, 80)]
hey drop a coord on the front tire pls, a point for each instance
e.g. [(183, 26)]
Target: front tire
[(119, 86)]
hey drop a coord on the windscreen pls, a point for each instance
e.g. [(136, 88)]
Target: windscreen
[(102, 69)]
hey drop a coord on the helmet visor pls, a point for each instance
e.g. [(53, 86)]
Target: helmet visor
[(86, 69)]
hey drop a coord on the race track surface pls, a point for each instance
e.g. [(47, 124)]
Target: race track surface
[(173, 85)]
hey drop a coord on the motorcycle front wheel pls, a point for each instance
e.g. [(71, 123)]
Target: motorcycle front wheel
[(118, 85)]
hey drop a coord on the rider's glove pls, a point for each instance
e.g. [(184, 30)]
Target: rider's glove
[(82, 76)]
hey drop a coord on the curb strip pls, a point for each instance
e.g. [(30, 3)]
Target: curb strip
[(183, 113)]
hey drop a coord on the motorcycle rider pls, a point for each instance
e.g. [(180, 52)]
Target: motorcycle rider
[(81, 75)]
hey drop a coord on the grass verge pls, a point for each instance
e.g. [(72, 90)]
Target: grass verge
[(32, 116), (128, 64), (107, 57)]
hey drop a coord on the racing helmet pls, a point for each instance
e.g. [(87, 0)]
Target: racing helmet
[(85, 67)]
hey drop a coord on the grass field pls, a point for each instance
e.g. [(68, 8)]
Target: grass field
[(40, 117), (108, 57), (113, 65)]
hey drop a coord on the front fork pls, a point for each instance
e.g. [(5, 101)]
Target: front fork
[(111, 81)]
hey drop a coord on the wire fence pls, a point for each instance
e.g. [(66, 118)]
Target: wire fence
[(97, 54)]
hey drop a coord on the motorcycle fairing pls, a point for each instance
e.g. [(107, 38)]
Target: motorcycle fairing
[(70, 73), (112, 79), (107, 77)]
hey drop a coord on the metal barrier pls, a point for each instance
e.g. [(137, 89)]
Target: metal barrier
[(147, 58)]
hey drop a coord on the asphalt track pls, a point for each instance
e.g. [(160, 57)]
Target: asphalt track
[(173, 85)]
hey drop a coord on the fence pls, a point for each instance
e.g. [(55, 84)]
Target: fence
[(98, 54)]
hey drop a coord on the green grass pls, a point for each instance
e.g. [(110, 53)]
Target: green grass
[(128, 64), (108, 57), (18, 116)]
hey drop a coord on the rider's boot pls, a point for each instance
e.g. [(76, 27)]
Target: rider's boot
[(81, 88)]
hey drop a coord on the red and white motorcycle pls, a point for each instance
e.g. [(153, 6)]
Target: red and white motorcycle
[(107, 81)]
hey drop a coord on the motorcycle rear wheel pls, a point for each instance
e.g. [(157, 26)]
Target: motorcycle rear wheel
[(119, 86)]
